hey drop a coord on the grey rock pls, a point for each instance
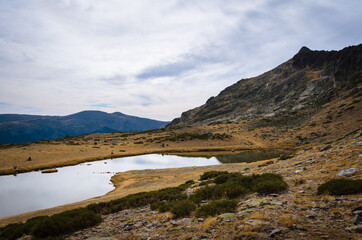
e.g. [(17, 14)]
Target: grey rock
[(356, 228), (144, 234), (128, 228), (348, 172), (326, 147), (228, 217), (357, 218), (275, 232)]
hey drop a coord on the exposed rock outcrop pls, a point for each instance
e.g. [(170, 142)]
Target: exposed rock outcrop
[(287, 95)]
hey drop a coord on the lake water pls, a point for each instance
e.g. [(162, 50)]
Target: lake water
[(34, 190)]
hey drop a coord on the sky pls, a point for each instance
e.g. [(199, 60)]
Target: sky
[(154, 58)]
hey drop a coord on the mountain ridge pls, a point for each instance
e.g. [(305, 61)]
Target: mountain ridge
[(299, 86), (16, 128)]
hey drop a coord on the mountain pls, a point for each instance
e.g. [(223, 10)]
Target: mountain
[(16, 128), (287, 95)]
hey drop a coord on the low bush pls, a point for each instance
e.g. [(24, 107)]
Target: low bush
[(55, 225), (183, 208), (269, 183), (212, 174), (216, 208), (66, 222), (341, 187)]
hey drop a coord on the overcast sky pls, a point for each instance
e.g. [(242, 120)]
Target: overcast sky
[(153, 58)]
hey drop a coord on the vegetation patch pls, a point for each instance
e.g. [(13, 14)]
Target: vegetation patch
[(217, 207), (341, 187), (187, 136), (55, 225), (183, 208), (269, 183), (212, 174)]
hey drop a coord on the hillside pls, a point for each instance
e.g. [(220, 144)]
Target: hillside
[(288, 95), (15, 128)]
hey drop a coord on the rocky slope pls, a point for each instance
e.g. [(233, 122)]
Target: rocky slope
[(287, 95), (27, 128)]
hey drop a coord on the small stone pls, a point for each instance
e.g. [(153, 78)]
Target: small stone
[(253, 222), (245, 212), (200, 219), (144, 234), (348, 172), (326, 147), (275, 232), (274, 195), (228, 217), (128, 228)]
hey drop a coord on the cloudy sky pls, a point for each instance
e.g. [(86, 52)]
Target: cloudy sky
[(153, 58)]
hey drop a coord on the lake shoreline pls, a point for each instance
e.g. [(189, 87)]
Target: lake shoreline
[(186, 152)]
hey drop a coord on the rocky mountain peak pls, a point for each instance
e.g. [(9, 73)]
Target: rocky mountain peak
[(288, 94)]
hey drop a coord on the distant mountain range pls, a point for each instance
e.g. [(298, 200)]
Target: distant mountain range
[(288, 95), (15, 128)]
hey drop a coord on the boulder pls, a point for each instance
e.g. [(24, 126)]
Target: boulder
[(348, 172), (228, 217)]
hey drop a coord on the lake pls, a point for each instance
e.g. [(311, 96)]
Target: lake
[(35, 190)]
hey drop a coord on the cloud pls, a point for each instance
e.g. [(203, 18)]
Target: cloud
[(153, 58)]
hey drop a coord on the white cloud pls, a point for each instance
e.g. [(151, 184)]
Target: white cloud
[(153, 58)]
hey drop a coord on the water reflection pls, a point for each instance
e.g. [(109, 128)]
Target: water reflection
[(250, 156), (32, 191)]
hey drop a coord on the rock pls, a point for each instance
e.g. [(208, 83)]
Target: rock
[(275, 232), (200, 219), (348, 172), (357, 228), (278, 204), (357, 218), (245, 212), (184, 221), (128, 228), (298, 171), (273, 195), (144, 234), (257, 203), (228, 217), (326, 147), (253, 222)]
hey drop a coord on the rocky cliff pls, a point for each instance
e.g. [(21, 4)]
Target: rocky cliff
[(287, 95)]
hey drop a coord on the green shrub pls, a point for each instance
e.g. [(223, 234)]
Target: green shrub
[(55, 225), (13, 231), (190, 182), (217, 207), (183, 208), (211, 174), (341, 187), (65, 222), (269, 183)]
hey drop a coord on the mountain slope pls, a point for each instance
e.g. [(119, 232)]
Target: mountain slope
[(26, 128), (287, 95)]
